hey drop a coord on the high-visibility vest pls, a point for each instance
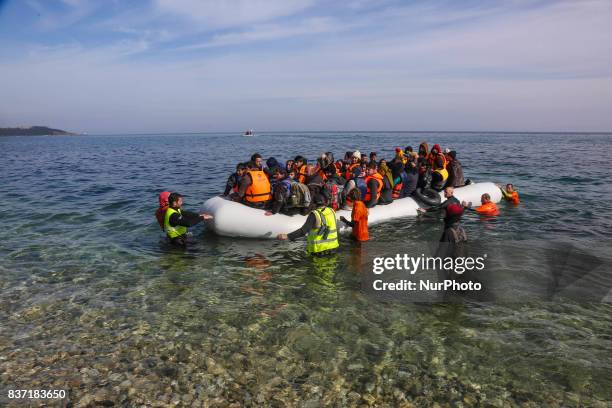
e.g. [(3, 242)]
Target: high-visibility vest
[(259, 190), (324, 235), (379, 178), (173, 232)]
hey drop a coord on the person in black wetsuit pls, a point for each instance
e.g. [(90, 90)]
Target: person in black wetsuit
[(176, 220), (450, 199)]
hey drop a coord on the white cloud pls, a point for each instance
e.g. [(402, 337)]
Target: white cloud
[(231, 13), (266, 32), (539, 69)]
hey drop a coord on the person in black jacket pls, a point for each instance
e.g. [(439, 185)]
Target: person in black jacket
[(409, 185), (234, 179), (177, 220), (450, 199)]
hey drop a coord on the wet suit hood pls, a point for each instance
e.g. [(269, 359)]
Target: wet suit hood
[(453, 214), (163, 198)]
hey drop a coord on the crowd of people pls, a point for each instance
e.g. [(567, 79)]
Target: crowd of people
[(291, 187), (357, 182)]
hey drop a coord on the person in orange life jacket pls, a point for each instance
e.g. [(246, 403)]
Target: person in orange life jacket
[(357, 181), (254, 189), (323, 162), (355, 162), (359, 217), (234, 179), (510, 194), (374, 182), (176, 220), (399, 177), (486, 207), (450, 199), (163, 206), (257, 159), (435, 153), (299, 164)]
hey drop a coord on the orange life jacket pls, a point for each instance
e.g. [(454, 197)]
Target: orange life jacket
[(489, 209), (513, 197), (349, 170), (431, 159), (301, 174), (397, 189), (359, 216), (378, 177), (259, 189), (321, 173)]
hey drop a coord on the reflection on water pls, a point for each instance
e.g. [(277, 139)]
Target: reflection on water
[(93, 301)]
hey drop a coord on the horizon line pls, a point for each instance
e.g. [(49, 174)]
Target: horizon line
[(580, 132)]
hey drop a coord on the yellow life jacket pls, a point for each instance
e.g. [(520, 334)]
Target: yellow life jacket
[(324, 235), (442, 172), (173, 232)]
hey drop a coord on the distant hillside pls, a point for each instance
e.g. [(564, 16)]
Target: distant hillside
[(32, 131)]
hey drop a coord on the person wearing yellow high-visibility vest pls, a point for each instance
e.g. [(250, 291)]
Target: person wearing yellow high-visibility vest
[(321, 229), (176, 220)]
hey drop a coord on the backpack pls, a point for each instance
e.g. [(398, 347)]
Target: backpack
[(331, 193), (300, 195)]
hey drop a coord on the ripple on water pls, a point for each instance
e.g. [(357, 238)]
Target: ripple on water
[(87, 282)]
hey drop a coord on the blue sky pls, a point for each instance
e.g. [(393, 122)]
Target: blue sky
[(227, 65)]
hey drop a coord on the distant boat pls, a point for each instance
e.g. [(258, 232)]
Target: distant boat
[(248, 132)]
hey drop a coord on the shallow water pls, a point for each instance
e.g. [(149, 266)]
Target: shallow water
[(88, 283)]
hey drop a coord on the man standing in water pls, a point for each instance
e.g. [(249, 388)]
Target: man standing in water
[(450, 199), (321, 229), (176, 221)]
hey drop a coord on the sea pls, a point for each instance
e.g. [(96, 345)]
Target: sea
[(93, 300)]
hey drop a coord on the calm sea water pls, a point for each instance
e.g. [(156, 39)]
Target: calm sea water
[(94, 302)]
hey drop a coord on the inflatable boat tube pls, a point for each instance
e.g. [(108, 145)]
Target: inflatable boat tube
[(233, 219), (428, 196)]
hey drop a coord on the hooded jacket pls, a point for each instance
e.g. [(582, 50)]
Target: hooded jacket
[(163, 206)]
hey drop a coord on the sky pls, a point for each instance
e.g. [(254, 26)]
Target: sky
[(112, 66)]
